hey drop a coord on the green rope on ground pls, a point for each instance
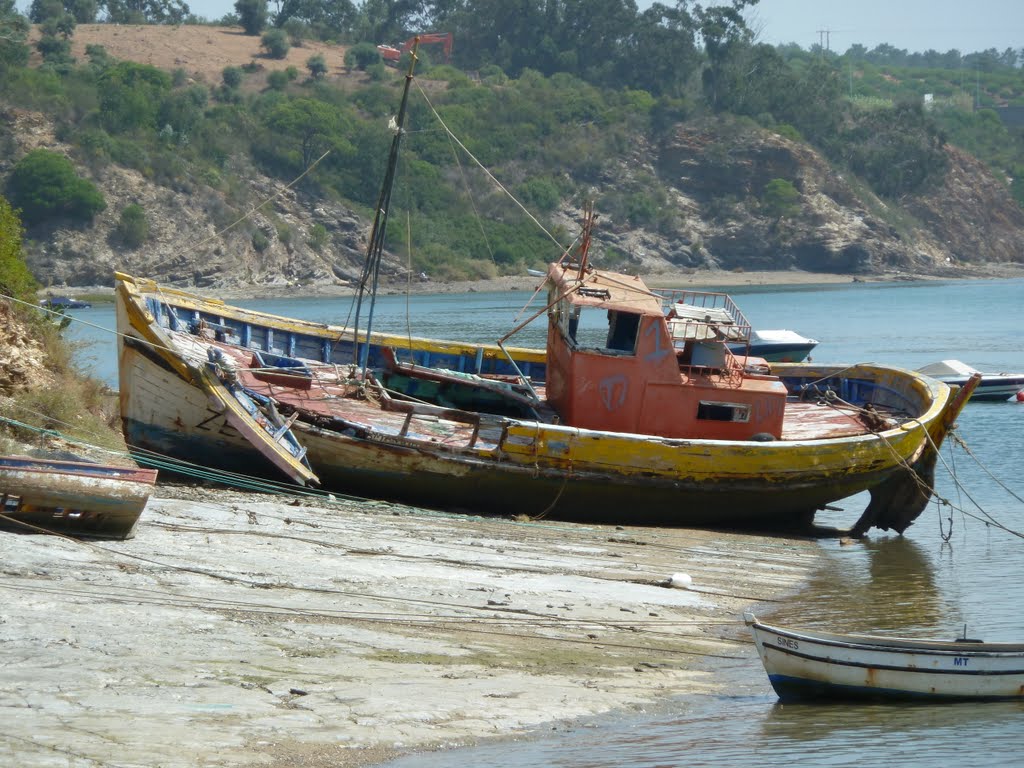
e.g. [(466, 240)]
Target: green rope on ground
[(153, 460)]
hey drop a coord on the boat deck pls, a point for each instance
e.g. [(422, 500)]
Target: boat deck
[(816, 421), (342, 402)]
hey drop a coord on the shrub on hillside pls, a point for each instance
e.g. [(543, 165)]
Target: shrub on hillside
[(275, 43), (44, 185), (318, 237), (232, 77), (133, 226), (277, 80), (15, 279), (361, 56), (317, 66), (780, 198)]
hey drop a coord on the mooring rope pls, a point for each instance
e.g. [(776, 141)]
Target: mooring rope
[(984, 516)]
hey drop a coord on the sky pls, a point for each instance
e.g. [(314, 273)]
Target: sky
[(914, 25)]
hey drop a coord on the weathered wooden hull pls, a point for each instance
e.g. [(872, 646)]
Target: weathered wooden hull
[(318, 341), (515, 466), (73, 497), (810, 665)]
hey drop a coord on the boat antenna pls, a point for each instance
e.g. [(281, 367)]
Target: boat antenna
[(375, 249)]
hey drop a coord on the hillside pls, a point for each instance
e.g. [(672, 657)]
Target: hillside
[(715, 171), (201, 51)]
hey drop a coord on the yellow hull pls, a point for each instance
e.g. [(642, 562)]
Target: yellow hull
[(516, 466)]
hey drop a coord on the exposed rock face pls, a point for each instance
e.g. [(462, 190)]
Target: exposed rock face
[(196, 237), (972, 217), (22, 358), (840, 226), (716, 170)]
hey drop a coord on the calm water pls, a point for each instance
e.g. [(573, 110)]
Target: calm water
[(916, 584)]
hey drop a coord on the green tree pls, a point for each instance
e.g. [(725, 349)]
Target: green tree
[(147, 11), (14, 51), (62, 25), (15, 278), (133, 226), (183, 109), (44, 185), (98, 57), (275, 43), (310, 123), (131, 95), (723, 30), (331, 18), (13, 37), (298, 31), (41, 10), (252, 15), (84, 11)]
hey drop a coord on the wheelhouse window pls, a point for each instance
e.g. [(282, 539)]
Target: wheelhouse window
[(597, 330), (622, 331), (716, 411)]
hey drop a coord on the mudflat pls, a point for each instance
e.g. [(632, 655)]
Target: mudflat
[(242, 629)]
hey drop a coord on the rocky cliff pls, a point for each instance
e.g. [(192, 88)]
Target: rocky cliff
[(717, 172)]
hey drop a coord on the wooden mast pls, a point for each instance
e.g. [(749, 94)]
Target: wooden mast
[(368, 281)]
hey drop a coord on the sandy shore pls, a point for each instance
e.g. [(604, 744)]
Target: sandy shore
[(242, 630)]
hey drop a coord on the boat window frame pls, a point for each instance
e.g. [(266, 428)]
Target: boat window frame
[(707, 408)]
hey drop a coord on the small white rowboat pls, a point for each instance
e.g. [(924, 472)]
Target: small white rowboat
[(815, 665)]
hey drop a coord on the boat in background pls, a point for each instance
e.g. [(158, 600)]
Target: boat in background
[(73, 497), (994, 387), (777, 346), (802, 664), (64, 302)]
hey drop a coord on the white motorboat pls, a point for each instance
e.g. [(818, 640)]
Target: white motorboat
[(993, 386)]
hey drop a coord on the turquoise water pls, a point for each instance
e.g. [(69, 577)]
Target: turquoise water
[(917, 584)]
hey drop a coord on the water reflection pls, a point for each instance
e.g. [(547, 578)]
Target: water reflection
[(886, 586), (733, 730), (842, 727)]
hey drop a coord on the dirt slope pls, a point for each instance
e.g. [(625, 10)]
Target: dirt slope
[(201, 51)]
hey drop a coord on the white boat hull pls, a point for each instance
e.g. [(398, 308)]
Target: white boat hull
[(804, 665), (993, 387)]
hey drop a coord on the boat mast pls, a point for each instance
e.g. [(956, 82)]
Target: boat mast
[(375, 249)]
